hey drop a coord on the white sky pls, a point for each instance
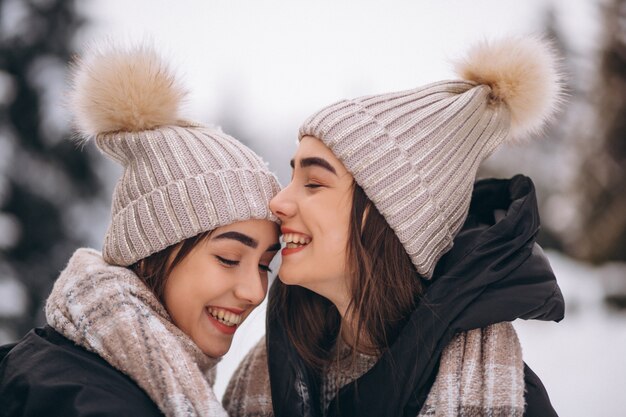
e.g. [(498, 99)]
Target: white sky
[(276, 62)]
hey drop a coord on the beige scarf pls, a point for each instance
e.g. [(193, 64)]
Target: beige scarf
[(108, 310), (481, 373)]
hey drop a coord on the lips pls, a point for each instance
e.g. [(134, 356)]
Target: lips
[(294, 241), (225, 320)]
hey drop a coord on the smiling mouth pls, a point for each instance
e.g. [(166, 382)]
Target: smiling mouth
[(295, 240), (225, 317)]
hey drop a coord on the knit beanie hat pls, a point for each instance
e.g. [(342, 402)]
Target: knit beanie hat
[(416, 153), (179, 178)]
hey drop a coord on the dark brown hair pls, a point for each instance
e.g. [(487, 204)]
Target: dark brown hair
[(384, 289), (156, 268)]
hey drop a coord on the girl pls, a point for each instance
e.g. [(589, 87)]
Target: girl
[(368, 318), (138, 329)]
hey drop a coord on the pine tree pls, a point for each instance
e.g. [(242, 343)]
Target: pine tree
[(601, 236), (45, 181)]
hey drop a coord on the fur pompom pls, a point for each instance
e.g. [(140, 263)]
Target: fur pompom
[(523, 73), (117, 89)]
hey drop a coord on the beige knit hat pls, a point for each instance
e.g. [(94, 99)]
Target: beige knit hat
[(416, 153), (180, 178)]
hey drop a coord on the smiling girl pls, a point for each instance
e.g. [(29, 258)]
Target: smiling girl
[(400, 274), (138, 329)]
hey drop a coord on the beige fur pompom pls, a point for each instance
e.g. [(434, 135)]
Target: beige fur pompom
[(523, 73), (123, 89)]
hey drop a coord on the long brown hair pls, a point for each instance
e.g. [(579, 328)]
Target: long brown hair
[(384, 289), (156, 268)]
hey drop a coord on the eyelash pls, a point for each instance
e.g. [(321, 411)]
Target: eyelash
[(230, 263), (266, 269), (227, 262), (313, 185)]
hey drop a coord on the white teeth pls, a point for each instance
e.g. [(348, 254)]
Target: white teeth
[(296, 238), (225, 317)]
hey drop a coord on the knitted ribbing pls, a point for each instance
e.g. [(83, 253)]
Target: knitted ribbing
[(415, 154), (179, 181)]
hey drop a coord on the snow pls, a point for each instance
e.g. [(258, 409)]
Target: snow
[(580, 360)]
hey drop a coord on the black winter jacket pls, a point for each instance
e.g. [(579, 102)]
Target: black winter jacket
[(46, 374), (495, 272)]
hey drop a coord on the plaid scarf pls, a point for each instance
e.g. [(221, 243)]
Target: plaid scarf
[(481, 373), (108, 310)]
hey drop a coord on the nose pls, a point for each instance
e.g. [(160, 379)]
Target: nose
[(283, 204), (251, 288)]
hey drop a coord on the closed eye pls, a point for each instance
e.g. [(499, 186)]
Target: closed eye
[(310, 185), (227, 262), (265, 268)]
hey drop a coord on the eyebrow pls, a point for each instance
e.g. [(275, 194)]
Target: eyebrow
[(239, 237), (314, 161), (246, 240)]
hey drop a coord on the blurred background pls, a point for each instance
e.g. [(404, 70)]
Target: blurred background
[(257, 69)]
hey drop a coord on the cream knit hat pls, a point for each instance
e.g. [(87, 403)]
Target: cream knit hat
[(180, 178), (416, 153)]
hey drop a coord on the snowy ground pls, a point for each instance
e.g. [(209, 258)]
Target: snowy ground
[(581, 360)]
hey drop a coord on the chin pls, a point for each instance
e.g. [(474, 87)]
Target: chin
[(213, 352), (295, 273), (213, 349), (304, 282), (307, 275), (290, 279)]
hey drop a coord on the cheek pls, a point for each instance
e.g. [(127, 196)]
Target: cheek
[(334, 241), (334, 228), (189, 290), (176, 292), (330, 246)]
